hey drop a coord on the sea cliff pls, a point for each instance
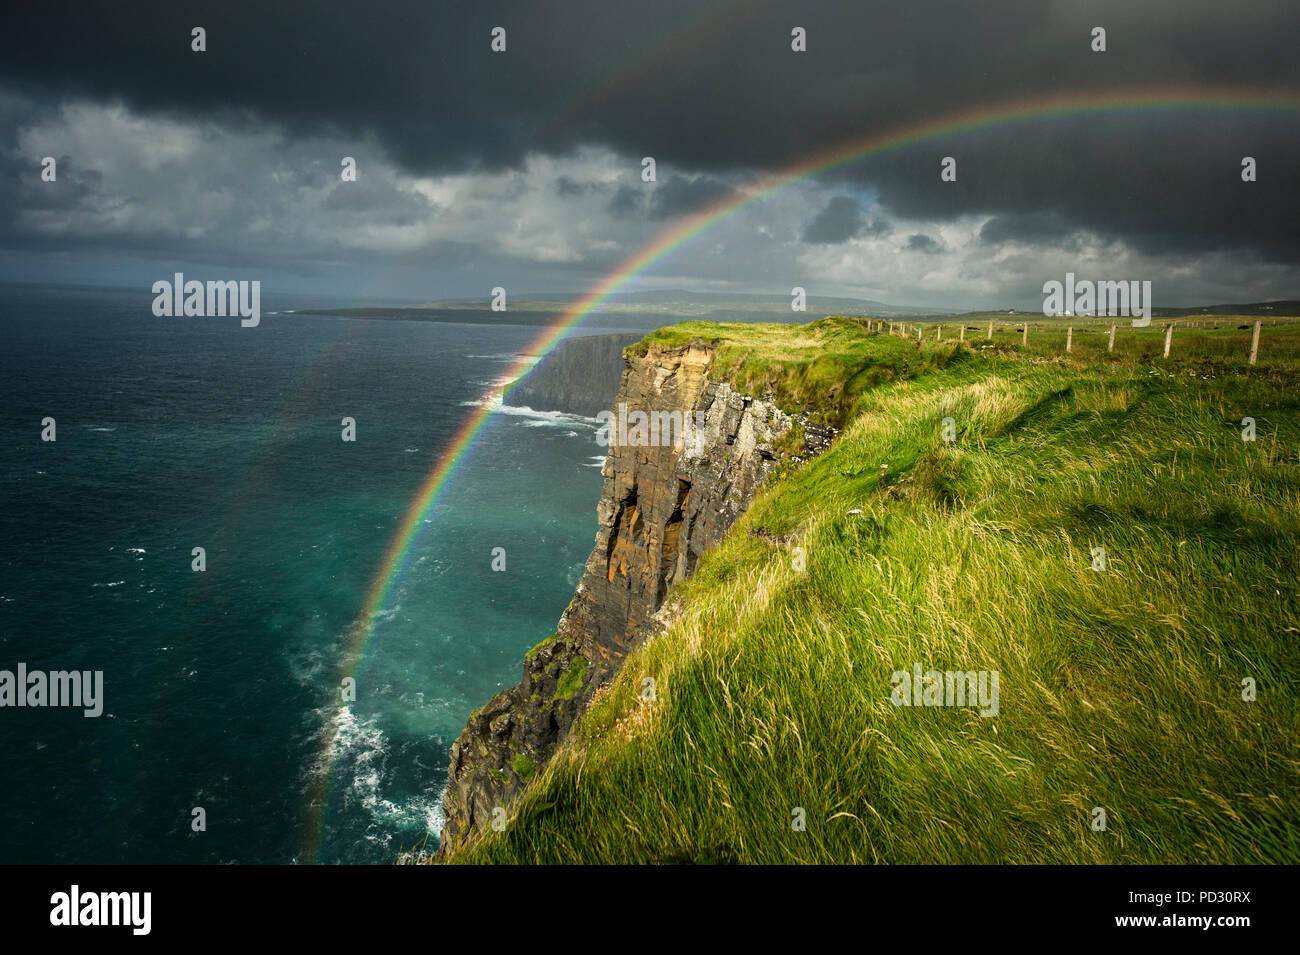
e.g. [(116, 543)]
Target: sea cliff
[(661, 507)]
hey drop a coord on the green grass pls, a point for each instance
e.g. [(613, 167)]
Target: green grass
[(824, 367), (1207, 344), (571, 682), (1119, 689)]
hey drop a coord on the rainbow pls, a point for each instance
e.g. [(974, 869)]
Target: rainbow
[(967, 120)]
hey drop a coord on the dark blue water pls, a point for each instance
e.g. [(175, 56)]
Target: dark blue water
[(220, 685)]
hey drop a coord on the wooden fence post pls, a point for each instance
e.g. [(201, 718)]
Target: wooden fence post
[(962, 335), (1254, 343), (990, 331), (938, 333), (1111, 346), (1024, 339), (918, 333), (1169, 337), (1069, 339)]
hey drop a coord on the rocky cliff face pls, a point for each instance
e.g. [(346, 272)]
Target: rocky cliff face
[(661, 507), (579, 376)]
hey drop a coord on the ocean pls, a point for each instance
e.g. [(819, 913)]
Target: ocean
[(220, 685)]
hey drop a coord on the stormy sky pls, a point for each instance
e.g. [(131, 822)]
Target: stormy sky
[(523, 168)]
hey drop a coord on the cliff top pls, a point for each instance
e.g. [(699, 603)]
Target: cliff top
[(1105, 547), (823, 367)]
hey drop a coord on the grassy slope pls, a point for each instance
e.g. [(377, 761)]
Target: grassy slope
[(1119, 689), (825, 366)]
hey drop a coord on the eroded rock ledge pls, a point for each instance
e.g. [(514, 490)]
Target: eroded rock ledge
[(660, 509)]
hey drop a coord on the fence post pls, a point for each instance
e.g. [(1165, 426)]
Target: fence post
[(962, 336), (1024, 339), (918, 333), (1169, 337), (1111, 346), (938, 333), (1254, 343), (990, 331), (1069, 339)]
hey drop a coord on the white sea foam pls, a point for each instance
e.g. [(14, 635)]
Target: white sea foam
[(348, 736), (385, 614), (548, 419), (491, 399), (497, 382), (357, 754), (436, 819)]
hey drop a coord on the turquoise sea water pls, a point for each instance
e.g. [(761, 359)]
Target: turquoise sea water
[(183, 432)]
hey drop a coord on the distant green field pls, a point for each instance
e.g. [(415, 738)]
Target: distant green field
[(1121, 680)]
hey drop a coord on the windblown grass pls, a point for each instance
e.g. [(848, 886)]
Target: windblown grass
[(1119, 689)]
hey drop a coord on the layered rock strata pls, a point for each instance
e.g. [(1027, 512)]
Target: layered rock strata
[(660, 509)]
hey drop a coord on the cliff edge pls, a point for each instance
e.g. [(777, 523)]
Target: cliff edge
[(662, 505), (1002, 607)]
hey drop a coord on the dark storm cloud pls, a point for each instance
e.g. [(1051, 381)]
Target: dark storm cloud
[(1028, 226), (626, 201), (876, 228), (840, 220), (78, 185), (713, 88), (920, 242), (678, 195), (566, 186), (1166, 184)]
